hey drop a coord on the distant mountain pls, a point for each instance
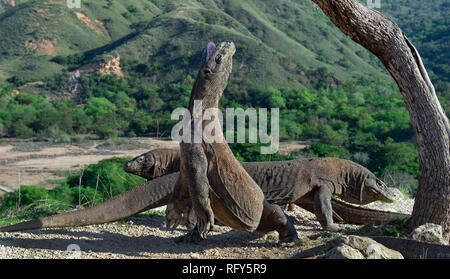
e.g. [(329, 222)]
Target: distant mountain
[(278, 41), (281, 43)]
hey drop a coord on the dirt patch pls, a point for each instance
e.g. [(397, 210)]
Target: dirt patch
[(88, 22), (104, 67), (34, 163), (286, 148), (12, 3), (44, 47), (46, 162)]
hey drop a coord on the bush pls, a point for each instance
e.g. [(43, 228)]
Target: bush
[(36, 202), (112, 179), (28, 195), (403, 181), (325, 150), (401, 157)]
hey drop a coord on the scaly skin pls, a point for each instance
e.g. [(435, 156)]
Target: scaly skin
[(157, 192), (155, 163), (280, 185), (210, 176), (149, 195)]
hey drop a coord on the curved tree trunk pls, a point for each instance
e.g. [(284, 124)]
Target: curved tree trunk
[(386, 40)]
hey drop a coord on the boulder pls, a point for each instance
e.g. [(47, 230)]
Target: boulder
[(429, 232), (358, 247), (378, 251), (343, 252)]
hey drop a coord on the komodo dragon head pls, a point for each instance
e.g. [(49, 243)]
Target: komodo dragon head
[(213, 74), (142, 165), (154, 163), (365, 188)]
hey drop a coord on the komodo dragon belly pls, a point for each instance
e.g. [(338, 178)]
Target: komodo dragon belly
[(236, 199)]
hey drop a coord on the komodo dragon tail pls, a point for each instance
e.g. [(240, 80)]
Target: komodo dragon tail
[(345, 212), (149, 195)]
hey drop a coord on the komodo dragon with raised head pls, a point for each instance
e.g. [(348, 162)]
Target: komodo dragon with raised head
[(211, 178), (282, 184)]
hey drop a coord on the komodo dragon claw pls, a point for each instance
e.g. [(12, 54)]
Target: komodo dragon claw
[(192, 236), (173, 217)]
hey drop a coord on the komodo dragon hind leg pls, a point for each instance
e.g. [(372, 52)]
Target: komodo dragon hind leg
[(177, 204), (274, 219)]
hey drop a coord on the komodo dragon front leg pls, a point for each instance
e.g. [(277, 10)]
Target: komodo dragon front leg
[(199, 188), (319, 202), (193, 186), (217, 183), (323, 209)]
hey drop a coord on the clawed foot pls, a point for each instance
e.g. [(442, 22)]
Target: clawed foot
[(191, 237), (219, 229), (288, 240), (173, 217)]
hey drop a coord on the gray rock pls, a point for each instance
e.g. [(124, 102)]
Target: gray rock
[(359, 242), (429, 232), (398, 195), (378, 251), (366, 248), (343, 252)]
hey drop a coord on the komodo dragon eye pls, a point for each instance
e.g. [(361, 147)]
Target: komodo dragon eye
[(218, 59)]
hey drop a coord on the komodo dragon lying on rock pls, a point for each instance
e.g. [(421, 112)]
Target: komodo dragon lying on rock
[(211, 178), (298, 182)]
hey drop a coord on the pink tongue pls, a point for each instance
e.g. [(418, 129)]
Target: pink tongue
[(210, 50)]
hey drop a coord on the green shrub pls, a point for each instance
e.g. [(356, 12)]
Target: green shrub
[(325, 150), (112, 179)]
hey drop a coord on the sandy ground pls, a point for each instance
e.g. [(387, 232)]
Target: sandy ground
[(142, 236), (146, 237), (38, 167), (54, 162)]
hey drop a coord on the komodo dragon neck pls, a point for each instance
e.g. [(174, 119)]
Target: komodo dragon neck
[(207, 90)]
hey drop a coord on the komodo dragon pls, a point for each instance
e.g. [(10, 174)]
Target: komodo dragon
[(211, 178), (157, 192), (282, 184)]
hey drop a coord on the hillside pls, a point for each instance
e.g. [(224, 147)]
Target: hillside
[(428, 27), (55, 66), (278, 41)]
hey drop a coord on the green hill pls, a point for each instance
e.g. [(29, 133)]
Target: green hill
[(289, 55), (427, 24), (278, 41)]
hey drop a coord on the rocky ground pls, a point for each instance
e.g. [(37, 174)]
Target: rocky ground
[(145, 236)]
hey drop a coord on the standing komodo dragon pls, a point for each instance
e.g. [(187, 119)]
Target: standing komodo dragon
[(211, 178), (287, 182)]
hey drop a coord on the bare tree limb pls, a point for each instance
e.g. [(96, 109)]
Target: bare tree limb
[(386, 40)]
